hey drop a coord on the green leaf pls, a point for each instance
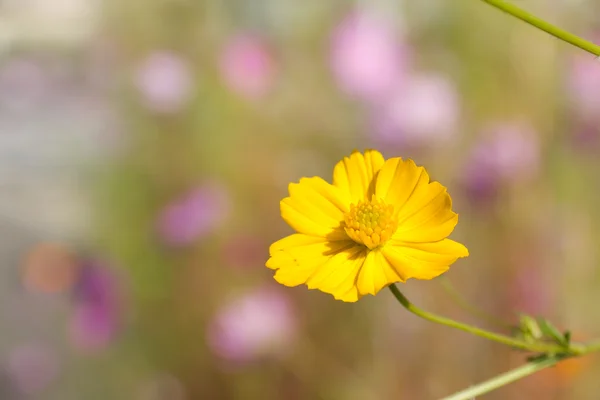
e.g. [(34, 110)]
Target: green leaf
[(552, 332), (568, 337), (529, 328)]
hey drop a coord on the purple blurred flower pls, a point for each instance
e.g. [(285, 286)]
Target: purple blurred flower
[(258, 323), (194, 215), (366, 56), (97, 307), (247, 66), (584, 87), (508, 152), (424, 110), (165, 82), (530, 293), (32, 367)]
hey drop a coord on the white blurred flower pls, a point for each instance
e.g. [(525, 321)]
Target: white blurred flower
[(165, 82)]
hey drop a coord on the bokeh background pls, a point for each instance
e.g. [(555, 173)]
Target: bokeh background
[(144, 148)]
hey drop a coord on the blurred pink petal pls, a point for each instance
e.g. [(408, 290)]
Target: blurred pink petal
[(247, 66), (508, 152), (425, 110), (98, 301), (194, 215), (165, 82), (258, 323), (366, 56), (530, 292), (33, 367), (584, 87), (513, 151)]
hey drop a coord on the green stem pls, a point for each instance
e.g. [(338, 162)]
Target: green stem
[(465, 305), (520, 344), (545, 26), (505, 379)]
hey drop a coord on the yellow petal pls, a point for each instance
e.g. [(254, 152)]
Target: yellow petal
[(315, 208), (427, 216), (423, 208), (354, 175), (376, 273), (338, 275), (423, 260), (297, 257), (277, 250), (397, 180)]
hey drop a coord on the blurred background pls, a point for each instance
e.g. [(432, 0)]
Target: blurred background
[(145, 146)]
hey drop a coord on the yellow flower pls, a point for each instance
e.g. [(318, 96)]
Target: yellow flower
[(380, 222)]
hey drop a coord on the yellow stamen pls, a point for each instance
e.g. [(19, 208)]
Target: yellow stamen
[(370, 223)]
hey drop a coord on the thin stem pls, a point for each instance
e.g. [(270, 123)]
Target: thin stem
[(468, 307), (505, 379), (520, 344), (593, 346), (545, 26)]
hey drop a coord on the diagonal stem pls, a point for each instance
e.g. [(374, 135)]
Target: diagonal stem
[(545, 26), (504, 379), (507, 340)]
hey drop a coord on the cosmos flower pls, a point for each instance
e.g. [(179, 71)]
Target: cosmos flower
[(380, 222), (583, 87), (193, 215), (33, 367), (254, 324), (508, 152), (366, 57), (96, 317), (423, 111), (247, 66)]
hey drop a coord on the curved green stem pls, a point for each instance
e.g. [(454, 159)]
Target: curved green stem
[(465, 305), (545, 26), (505, 379), (507, 340)]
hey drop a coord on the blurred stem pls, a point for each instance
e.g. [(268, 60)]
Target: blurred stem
[(545, 26), (468, 307), (507, 340), (506, 378), (592, 346)]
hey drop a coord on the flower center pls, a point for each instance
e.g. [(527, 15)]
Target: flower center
[(370, 223)]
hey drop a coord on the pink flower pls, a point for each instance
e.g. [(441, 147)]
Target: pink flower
[(247, 66), (195, 214), (33, 367), (165, 82), (529, 291), (507, 152), (255, 324), (97, 300), (366, 57), (511, 150), (423, 111), (584, 87)]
